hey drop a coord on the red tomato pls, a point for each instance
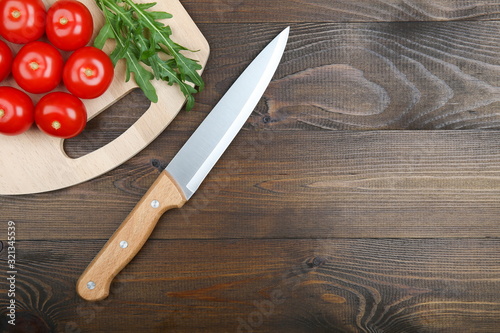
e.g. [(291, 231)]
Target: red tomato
[(22, 21), (69, 25), (88, 72), (61, 114), (37, 67), (5, 60), (16, 111)]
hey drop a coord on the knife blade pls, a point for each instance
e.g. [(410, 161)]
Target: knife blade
[(185, 173)]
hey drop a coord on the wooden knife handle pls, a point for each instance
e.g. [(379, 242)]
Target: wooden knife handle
[(129, 238)]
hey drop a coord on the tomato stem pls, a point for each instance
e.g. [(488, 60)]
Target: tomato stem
[(34, 65), (89, 72), (63, 20), (56, 125), (16, 14), (2, 113)]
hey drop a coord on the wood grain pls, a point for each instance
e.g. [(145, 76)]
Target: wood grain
[(253, 11), (301, 285), (345, 76), (296, 184)]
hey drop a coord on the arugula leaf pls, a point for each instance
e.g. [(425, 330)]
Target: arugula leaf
[(164, 69), (161, 36), (149, 52)]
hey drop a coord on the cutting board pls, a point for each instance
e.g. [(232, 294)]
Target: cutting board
[(33, 162)]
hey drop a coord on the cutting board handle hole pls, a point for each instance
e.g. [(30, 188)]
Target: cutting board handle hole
[(108, 125)]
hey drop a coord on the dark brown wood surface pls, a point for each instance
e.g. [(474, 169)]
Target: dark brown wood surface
[(362, 195)]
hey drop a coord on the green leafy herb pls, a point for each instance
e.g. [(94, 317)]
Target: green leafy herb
[(145, 44)]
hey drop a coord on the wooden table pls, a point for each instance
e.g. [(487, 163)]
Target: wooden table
[(363, 194)]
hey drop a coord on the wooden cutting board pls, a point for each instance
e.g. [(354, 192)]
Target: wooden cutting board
[(34, 162)]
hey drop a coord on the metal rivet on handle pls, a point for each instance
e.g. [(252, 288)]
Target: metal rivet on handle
[(155, 204), (123, 244), (91, 285)]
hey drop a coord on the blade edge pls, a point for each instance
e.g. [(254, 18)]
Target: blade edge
[(196, 158)]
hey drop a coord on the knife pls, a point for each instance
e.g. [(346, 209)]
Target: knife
[(185, 173)]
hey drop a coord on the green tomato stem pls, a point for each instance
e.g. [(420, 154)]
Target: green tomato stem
[(56, 125), (34, 65)]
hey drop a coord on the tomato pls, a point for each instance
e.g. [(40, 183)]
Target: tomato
[(16, 111), (37, 67), (5, 60), (22, 21), (61, 114), (88, 72), (69, 25)]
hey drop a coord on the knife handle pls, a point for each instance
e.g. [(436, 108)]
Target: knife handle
[(129, 238)]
